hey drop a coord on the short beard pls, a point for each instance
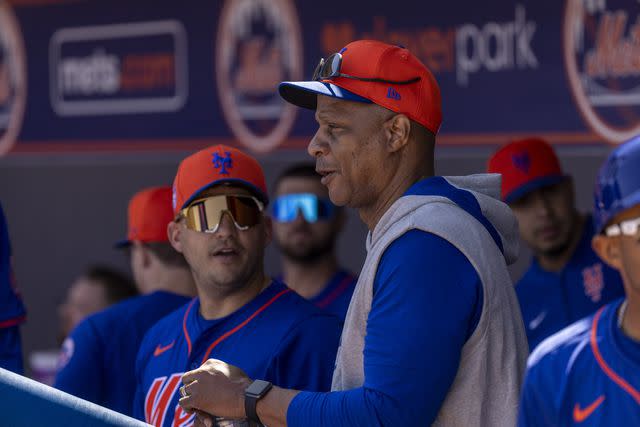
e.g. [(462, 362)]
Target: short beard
[(312, 254), (557, 250), (561, 248)]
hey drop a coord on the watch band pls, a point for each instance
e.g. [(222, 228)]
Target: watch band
[(256, 391)]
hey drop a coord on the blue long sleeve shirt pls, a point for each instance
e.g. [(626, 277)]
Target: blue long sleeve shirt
[(427, 302)]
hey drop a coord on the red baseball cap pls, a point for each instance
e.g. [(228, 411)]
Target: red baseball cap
[(215, 165), (525, 165), (148, 215), (371, 59)]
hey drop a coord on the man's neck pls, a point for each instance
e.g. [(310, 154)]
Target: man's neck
[(557, 262), (309, 279), (175, 280), (631, 318), (397, 186), (216, 303)]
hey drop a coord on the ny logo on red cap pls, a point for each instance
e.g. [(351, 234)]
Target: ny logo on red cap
[(521, 161), (393, 94), (222, 163)]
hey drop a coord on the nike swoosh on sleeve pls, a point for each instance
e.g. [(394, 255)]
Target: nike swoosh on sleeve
[(579, 414), (159, 349)]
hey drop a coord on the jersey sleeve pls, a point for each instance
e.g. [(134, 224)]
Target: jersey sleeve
[(81, 360), (306, 359), (12, 311), (426, 303)]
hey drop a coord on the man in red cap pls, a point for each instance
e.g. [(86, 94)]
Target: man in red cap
[(98, 358), (588, 374), (566, 280), (433, 334), (240, 316)]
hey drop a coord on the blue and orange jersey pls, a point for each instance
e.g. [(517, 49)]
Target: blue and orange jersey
[(12, 311), (336, 296), (98, 358), (278, 336), (586, 375), (551, 301)]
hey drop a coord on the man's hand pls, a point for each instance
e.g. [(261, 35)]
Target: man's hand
[(215, 388)]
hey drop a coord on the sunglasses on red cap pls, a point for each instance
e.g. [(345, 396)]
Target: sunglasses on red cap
[(330, 68), (205, 215)]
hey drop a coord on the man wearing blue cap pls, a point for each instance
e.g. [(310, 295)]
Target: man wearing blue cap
[(589, 373)]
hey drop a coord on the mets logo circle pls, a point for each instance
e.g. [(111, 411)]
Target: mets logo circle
[(602, 59), (258, 45), (13, 72)]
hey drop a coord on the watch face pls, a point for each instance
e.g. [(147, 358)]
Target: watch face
[(258, 387)]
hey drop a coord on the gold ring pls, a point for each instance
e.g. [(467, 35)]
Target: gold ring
[(183, 391)]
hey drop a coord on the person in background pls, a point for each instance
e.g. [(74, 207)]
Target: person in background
[(97, 360), (588, 374), (222, 228), (306, 226), (96, 289), (12, 311), (566, 280)]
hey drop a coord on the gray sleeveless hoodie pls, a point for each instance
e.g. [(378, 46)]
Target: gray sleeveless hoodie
[(465, 211)]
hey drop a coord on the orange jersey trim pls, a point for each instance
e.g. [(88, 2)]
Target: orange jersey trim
[(243, 324), (184, 326), (603, 364)]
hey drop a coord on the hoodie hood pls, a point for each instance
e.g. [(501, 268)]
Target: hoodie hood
[(478, 195)]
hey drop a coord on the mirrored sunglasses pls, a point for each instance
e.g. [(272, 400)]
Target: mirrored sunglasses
[(205, 215), (629, 227), (330, 68), (312, 207)]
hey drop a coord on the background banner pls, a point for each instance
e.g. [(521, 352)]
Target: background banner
[(158, 74)]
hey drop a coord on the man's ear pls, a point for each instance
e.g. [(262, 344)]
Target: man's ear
[(608, 249), (398, 131), (174, 233), (268, 229)]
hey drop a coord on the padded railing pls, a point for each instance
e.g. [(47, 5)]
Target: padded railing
[(27, 403)]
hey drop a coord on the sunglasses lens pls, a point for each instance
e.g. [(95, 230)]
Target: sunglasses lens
[(206, 214), (286, 208), (244, 210), (334, 62), (328, 68), (630, 227), (318, 70), (309, 207)]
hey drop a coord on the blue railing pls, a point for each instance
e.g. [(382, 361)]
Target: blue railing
[(27, 403)]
